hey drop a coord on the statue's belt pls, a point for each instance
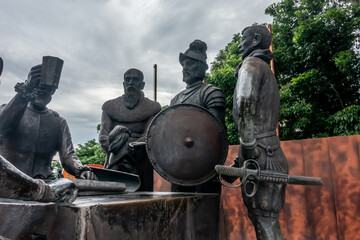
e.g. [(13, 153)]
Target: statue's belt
[(268, 148)]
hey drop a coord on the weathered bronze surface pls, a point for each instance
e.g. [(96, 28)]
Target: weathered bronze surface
[(131, 216), (184, 143), (256, 111), (30, 133), (124, 120)]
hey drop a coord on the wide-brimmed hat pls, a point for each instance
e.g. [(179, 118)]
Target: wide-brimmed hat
[(197, 50)]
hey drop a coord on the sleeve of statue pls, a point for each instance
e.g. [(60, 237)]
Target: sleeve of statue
[(104, 132), (17, 185), (68, 158), (245, 100), (11, 113), (214, 100)]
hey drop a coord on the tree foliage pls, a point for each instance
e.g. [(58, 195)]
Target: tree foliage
[(91, 153), (317, 66)]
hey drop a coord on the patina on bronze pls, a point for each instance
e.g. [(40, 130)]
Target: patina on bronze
[(31, 134), (124, 120), (256, 111), (184, 143), (200, 94)]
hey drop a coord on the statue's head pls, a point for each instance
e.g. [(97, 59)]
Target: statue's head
[(254, 37), (133, 86), (193, 62), (42, 92)]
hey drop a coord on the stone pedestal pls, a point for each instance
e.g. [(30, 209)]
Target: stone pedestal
[(140, 215)]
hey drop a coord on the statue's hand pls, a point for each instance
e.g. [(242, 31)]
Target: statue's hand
[(232, 179), (118, 141), (60, 190), (88, 175), (33, 79)]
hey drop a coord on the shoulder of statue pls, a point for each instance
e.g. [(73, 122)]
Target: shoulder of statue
[(212, 96), (174, 100), (151, 105), (211, 89), (109, 104), (54, 113)]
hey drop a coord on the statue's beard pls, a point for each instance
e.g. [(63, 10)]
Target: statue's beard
[(132, 97)]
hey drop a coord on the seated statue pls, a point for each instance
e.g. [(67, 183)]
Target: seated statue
[(17, 185), (124, 121), (31, 134), (200, 94)]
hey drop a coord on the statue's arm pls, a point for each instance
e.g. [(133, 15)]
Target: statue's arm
[(244, 107), (214, 100), (105, 131), (11, 113), (17, 185), (68, 158)]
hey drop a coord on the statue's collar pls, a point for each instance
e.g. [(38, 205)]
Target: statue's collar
[(32, 108), (194, 85), (264, 54)]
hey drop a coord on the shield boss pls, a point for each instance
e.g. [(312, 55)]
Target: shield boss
[(184, 143)]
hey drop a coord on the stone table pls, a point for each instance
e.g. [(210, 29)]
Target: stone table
[(140, 215)]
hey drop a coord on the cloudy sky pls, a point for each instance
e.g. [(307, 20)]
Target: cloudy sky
[(100, 39)]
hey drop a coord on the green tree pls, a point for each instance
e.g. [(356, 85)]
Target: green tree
[(91, 153), (317, 66)]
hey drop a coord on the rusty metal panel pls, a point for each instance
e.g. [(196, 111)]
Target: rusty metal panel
[(320, 200), (344, 154), (238, 225), (295, 209)]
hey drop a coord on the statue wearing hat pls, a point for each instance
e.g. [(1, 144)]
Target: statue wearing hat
[(200, 94), (31, 134)]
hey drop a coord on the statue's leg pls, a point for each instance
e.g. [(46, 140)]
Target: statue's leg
[(267, 226), (264, 209)]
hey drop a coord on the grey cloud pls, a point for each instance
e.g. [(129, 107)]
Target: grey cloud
[(100, 40)]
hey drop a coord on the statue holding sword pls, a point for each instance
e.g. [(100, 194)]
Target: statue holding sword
[(261, 163)]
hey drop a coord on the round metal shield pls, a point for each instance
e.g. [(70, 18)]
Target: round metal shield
[(184, 143)]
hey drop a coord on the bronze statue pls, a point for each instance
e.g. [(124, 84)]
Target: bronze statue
[(17, 185), (200, 94), (123, 122), (31, 134), (255, 111)]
